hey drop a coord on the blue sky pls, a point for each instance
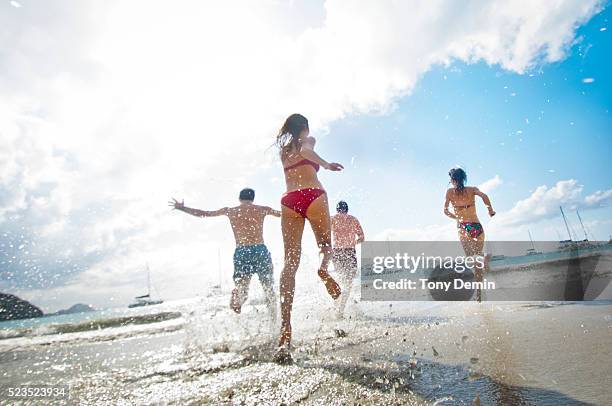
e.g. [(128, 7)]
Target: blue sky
[(144, 101)]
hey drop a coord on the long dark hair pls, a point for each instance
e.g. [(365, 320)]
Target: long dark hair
[(460, 177), (288, 137)]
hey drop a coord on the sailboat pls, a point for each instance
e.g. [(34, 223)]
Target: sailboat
[(584, 243), (532, 250), (566, 244), (145, 300), (586, 237)]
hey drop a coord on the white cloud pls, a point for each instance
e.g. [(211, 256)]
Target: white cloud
[(108, 108), (599, 198), (545, 201), (490, 184)]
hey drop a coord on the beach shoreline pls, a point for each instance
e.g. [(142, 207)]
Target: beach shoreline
[(449, 353)]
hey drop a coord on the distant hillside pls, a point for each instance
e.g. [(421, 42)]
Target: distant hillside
[(14, 308), (77, 308)]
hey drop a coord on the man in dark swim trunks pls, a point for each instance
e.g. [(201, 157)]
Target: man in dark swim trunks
[(251, 255), (347, 233)]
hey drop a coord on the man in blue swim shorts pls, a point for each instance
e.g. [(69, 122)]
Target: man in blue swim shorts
[(251, 256)]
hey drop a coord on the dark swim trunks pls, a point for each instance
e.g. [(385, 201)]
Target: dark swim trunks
[(472, 229), (253, 259), (345, 259)]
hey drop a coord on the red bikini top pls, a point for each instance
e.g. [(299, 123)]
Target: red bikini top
[(303, 162)]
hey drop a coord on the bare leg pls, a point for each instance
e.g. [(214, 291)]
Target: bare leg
[(267, 283), (478, 277), (346, 282), (474, 247), (293, 228), (318, 216), (240, 293), (345, 264)]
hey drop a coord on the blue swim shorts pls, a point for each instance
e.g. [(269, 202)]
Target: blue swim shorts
[(253, 259)]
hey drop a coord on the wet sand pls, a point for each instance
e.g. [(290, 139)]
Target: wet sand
[(441, 353)]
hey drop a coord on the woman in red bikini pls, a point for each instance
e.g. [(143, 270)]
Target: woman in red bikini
[(305, 199), (471, 233)]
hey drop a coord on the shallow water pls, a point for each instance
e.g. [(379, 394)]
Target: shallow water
[(399, 353)]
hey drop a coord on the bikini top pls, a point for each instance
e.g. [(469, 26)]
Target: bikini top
[(303, 162), (463, 206)]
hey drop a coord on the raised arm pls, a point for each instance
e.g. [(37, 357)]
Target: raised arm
[(176, 205), (308, 152), (486, 201), (447, 212)]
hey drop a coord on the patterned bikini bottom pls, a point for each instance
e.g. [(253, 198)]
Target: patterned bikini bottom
[(472, 229)]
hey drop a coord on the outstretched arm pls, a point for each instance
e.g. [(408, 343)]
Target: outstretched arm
[(447, 212), (271, 212), (308, 152), (176, 205), (486, 201)]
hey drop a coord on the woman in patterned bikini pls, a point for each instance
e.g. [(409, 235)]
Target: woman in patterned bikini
[(471, 233), (305, 199)]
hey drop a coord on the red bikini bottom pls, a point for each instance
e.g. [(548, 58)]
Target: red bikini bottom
[(300, 200)]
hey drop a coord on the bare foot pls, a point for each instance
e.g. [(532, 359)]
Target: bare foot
[(330, 284), (235, 302), (283, 356)]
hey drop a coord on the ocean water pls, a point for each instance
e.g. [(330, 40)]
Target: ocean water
[(381, 353), (113, 317), (42, 322), (549, 253)]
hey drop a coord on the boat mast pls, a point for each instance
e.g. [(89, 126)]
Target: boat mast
[(219, 268), (148, 281), (566, 225), (586, 237), (531, 239)]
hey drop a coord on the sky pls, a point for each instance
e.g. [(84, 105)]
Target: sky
[(108, 109)]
